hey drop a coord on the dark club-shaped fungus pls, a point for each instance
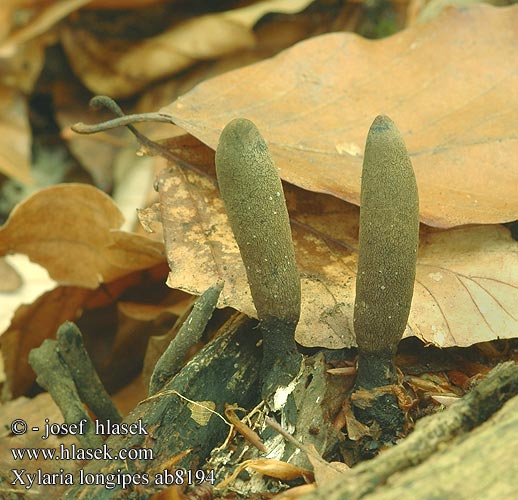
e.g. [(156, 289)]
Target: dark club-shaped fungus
[(389, 233), (254, 200)]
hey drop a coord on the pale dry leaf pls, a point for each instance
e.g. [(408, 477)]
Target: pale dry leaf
[(150, 312), (34, 411), (127, 398), (449, 85), (201, 411), (41, 22), (6, 15), (36, 281), (38, 320), (325, 471), (269, 467), (278, 469), (97, 153), (446, 401), (121, 71), (150, 219), (249, 15), (15, 135), (355, 429), (10, 280), (133, 179), (30, 326), (72, 231), (21, 69), (295, 492), (466, 287)]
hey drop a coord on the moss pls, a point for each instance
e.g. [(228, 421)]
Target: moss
[(388, 241), (254, 200)]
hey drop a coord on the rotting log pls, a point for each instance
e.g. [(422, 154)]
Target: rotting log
[(466, 452), (224, 371), (482, 465)]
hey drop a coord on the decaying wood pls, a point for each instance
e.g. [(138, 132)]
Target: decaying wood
[(54, 375), (482, 465), (71, 350), (317, 399), (442, 458), (190, 332), (182, 416)]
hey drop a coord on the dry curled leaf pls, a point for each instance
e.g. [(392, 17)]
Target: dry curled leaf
[(34, 322), (325, 471), (466, 287), (30, 326), (15, 136), (448, 84), (10, 280), (72, 231), (295, 492), (355, 429), (201, 411), (40, 21), (249, 434), (106, 68), (270, 467), (34, 411)]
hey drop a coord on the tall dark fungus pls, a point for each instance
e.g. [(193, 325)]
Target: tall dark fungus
[(254, 200), (389, 234)]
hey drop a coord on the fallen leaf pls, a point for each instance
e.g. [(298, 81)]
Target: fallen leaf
[(10, 280), (108, 68), (247, 432), (295, 492), (42, 20), (446, 401), (21, 69), (466, 287), (447, 84), (71, 230), (150, 312), (6, 14), (130, 395), (325, 471), (36, 281), (97, 152), (30, 326), (120, 351), (33, 412), (201, 411), (132, 174), (15, 135), (269, 467), (355, 429)]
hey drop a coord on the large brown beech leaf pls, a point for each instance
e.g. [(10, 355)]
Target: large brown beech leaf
[(120, 69), (15, 136), (73, 231), (449, 85), (466, 288)]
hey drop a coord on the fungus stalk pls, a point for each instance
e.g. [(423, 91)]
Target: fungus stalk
[(388, 241), (254, 200)]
